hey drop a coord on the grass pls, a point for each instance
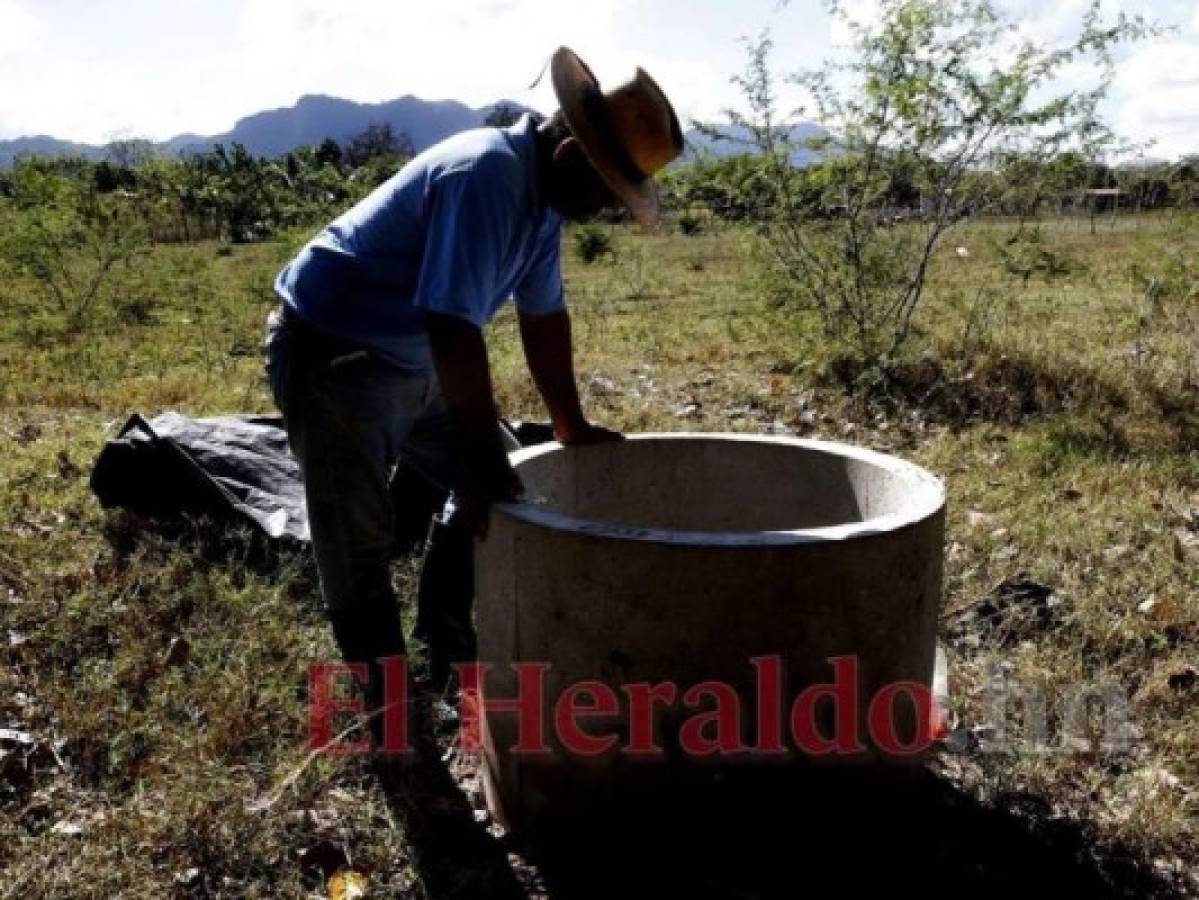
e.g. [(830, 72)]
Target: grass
[(1065, 426)]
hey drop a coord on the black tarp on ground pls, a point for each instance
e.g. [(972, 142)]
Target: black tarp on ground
[(239, 468), (227, 467)]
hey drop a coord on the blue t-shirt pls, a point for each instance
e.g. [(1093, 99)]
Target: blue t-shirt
[(458, 230)]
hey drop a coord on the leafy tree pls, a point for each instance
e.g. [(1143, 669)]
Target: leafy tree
[(69, 239), (375, 142), (109, 177), (243, 192), (934, 94), (328, 153), (129, 153)]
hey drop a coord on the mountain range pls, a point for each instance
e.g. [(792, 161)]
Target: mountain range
[(316, 117), (734, 140), (273, 132)]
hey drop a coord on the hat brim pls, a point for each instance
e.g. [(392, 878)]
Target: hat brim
[(578, 91)]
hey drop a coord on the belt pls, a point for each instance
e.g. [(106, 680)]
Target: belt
[(315, 344)]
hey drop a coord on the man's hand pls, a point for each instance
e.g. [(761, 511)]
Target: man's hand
[(584, 432), (490, 480)]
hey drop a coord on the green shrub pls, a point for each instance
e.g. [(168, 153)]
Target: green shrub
[(592, 241), (1025, 253), (690, 223), (74, 245)]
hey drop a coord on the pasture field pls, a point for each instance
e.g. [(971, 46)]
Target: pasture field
[(1062, 410)]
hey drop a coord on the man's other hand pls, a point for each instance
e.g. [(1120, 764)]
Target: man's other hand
[(492, 480), (586, 433)]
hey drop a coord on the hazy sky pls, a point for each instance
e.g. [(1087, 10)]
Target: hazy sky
[(93, 70)]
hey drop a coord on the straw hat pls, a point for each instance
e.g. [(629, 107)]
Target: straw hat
[(628, 133)]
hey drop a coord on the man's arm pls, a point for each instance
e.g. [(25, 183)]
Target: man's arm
[(460, 358), (547, 346)]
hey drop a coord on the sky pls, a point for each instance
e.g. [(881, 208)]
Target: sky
[(98, 70)]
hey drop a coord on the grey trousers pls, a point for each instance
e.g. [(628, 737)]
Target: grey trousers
[(350, 417)]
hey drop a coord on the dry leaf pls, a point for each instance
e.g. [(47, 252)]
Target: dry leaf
[(976, 519), (347, 885)]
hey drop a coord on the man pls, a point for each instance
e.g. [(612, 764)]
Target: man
[(377, 351)]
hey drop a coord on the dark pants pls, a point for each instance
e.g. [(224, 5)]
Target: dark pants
[(351, 416)]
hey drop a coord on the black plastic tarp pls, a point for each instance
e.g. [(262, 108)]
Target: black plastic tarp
[(225, 467), (239, 468)]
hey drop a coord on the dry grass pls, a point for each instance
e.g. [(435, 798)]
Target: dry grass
[(1066, 430)]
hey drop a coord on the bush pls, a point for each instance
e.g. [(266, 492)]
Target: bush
[(592, 241), (690, 224), (73, 243), (1025, 254), (930, 94)]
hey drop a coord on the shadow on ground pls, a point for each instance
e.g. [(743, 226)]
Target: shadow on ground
[(454, 855), (837, 836), (746, 837)]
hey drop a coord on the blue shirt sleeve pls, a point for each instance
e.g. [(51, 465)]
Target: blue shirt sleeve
[(468, 228), (539, 292)]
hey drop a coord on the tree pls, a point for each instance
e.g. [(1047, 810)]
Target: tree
[(129, 153), (378, 141), (69, 239), (934, 94), (328, 153)]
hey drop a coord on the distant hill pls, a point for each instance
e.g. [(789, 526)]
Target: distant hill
[(700, 145), (312, 119), (44, 145), (315, 117)]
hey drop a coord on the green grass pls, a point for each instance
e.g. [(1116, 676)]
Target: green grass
[(1066, 433)]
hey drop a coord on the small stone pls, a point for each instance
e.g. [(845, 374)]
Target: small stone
[(602, 386), (187, 877), (1115, 552)]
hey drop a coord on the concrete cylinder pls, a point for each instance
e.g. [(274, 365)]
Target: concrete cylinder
[(764, 564)]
